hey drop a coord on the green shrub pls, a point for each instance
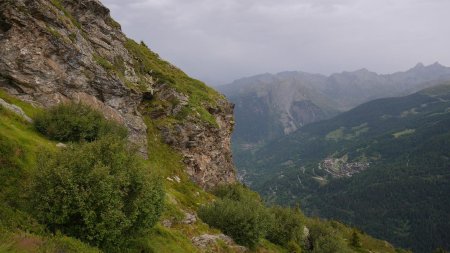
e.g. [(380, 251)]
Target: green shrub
[(245, 222), (76, 122), (287, 227), (239, 213), (98, 192), (324, 239)]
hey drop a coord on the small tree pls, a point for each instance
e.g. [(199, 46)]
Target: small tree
[(99, 192), (355, 240)]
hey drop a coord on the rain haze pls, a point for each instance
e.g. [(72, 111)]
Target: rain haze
[(218, 41)]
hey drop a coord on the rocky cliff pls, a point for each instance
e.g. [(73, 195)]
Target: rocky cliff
[(52, 51)]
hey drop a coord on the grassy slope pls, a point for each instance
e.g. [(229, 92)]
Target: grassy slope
[(19, 146), (20, 233)]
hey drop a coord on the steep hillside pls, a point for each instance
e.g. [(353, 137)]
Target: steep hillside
[(382, 166), (55, 51), (270, 106)]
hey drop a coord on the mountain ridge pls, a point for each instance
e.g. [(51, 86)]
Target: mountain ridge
[(269, 106)]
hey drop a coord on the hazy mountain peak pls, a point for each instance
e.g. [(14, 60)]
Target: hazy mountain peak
[(437, 64), (419, 65)]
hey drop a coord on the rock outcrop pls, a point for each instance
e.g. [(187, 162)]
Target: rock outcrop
[(53, 51), (206, 148)]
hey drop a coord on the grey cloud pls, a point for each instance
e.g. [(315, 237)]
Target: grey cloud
[(221, 40)]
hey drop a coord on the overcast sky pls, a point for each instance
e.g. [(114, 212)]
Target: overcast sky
[(218, 41)]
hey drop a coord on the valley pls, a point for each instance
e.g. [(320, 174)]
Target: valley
[(379, 166)]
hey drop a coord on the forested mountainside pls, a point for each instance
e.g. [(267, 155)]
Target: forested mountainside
[(382, 166), (105, 147), (270, 106)]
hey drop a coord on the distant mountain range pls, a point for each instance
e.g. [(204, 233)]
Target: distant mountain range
[(270, 106), (383, 166)]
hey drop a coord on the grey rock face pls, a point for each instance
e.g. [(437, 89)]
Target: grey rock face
[(50, 55)]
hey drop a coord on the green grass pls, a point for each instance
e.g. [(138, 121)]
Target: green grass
[(107, 65), (200, 96), (164, 240), (14, 131), (30, 110)]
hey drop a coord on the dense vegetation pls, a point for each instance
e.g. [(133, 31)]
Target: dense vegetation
[(287, 227), (76, 122), (240, 213), (401, 196), (97, 192)]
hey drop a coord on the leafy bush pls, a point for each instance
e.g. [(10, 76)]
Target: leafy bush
[(238, 214), (76, 122), (287, 227), (246, 223), (98, 192), (324, 239)]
